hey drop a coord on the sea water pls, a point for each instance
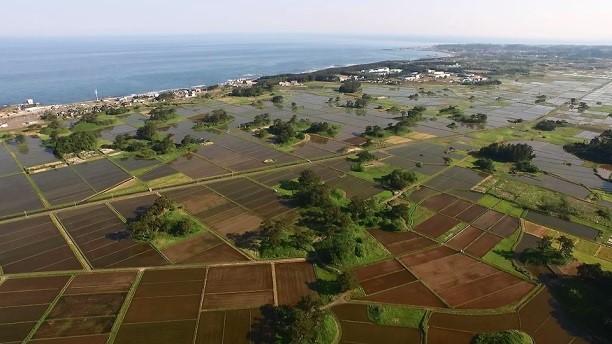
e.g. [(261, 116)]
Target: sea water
[(64, 70)]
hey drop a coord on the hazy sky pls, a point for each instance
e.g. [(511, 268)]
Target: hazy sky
[(529, 20)]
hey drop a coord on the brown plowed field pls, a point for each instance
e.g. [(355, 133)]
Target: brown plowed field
[(28, 299), (196, 168), (131, 208), (219, 254), (175, 332), (474, 289), (456, 208), (459, 279), (445, 336), (74, 327), (488, 219), (226, 327), (173, 275), (483, 244), (536, 311), (165, 307), (262, 201), (389, 281), (357, 328), (22, 313), (439, 202), (196, 199), (169, 289), (402, 243), (503, 297), (537, 318), (104, 241), (34, 245), (238, 300), (464, 238), (94, 339), (237, 326), (436, 225), (471, 213), (506, 226), (227, 279), (355, 187), (414, 293), (211, 328), (421, 194), (475, 323), (427, 256), (292, 281), (378, 269), (204, 248), (177, 307), (92, 283), (87, 305)]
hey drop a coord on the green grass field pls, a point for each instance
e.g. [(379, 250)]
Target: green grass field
[(500, 255), (390, 315)]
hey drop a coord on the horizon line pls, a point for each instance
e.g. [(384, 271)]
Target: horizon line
[(425, 39)]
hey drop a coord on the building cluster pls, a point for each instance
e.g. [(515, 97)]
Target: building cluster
[(241, 82), (291, 83), (28, 104), (382, 71)]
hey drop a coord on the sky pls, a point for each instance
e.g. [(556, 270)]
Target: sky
[(542, 21)]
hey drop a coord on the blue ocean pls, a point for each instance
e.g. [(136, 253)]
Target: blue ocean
[(63, 70)]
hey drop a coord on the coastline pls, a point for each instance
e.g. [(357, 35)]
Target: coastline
[(41, 108), (118, 70)]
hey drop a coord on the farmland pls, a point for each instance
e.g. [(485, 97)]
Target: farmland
[(400, 236)]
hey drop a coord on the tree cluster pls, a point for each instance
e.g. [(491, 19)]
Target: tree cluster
[(289, 325), (75, 143), (253, 91), (285, 132), (408, 119), (477, 118), (153, 221), (374, 131), (257, 122), (162, 114), (323, 128), (507, 152), (370, 213), (350, 86), (398, 179), (550, 125), (213, 119), (359, 103), (599, 149), (586, 299), (547, 253)]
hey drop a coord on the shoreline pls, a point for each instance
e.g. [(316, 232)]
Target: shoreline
[(430, 49), (16, 119)]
